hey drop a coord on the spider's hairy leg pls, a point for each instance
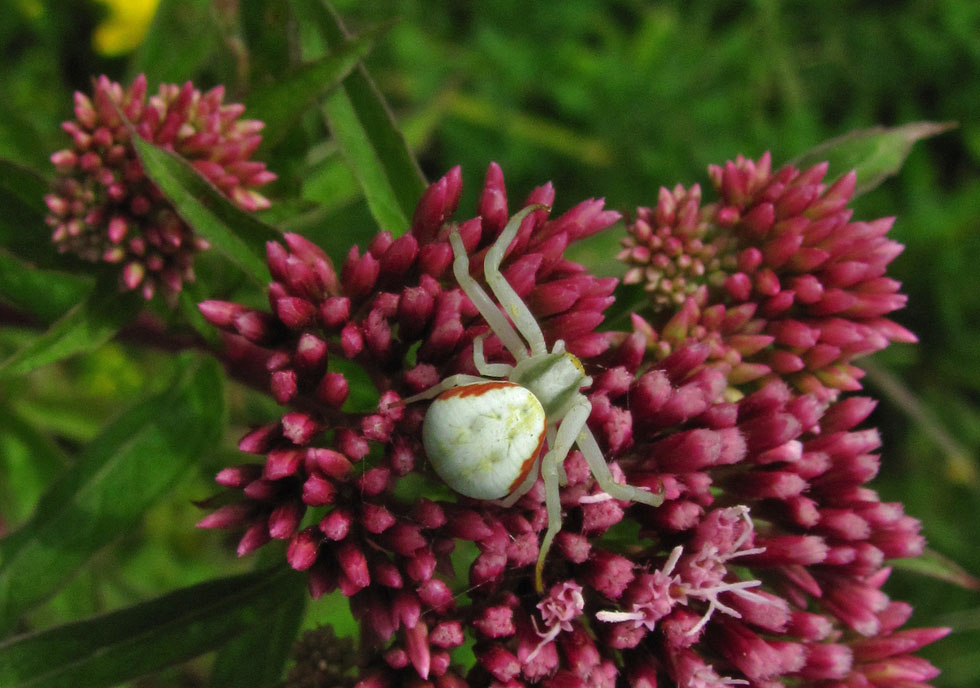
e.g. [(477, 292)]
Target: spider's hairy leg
[(570, 428), (509, 299), (600, 471), (497, 321), (480, 360), (436, 390)]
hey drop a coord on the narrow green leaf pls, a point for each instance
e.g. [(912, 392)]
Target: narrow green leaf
[(106, 650), (876, 153), (932, 564), (83, 328), (235, 233), (191, 295), (24, 184), (280, 104), (365, 131), (22, 212), (257, 657), (360, 154), (29, 462), (45, 294), (132, 463)]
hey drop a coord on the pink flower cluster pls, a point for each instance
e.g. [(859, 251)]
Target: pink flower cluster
[(774, 275), (765, 563), (103, 207)]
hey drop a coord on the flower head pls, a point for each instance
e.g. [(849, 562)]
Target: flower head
[(764, 563), (104, 208), (775, 275)]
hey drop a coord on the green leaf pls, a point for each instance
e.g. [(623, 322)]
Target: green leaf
[(280, 104), (29, 462), (932, 564), (22, 212), (194, 21), (876, 153), (366, 164), (131, 464), (257, 657), (191, 295), (235, 233), (45, 294), (25, 185), (106, 650), (84, 328), (364, 130)]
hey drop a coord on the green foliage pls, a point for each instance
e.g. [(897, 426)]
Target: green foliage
[(874, 154), (135, 461), (281, 103), (257, 656), (363, 129), (110, 649), (103, 447), (89, 324), (232, 231)]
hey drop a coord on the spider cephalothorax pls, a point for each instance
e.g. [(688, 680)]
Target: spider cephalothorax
[(484, 435)]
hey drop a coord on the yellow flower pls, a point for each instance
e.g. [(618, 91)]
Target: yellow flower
[(125, 26)]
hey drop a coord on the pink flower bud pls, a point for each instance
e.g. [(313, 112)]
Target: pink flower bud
[(429, 514), (437, 204), (303, 549), (294, 312), (318, 491), (609, 573), (285, 519), (228, 516), (238, 476), (332, 389), (299, 428), (404, 538), (336, 524), (359, 273), (353, 564), (501, 664), (436, 594), (281, 463), (256, 536), (376, 519), (417, 648), (330, 463)]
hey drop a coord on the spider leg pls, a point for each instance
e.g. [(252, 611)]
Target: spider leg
[(497, 321), (570, 428), (509, 299), (436, 390), (562, 476), (600, 470), (480, 361), (522, 489)]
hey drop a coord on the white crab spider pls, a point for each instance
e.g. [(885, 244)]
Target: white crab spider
[(483, 436)]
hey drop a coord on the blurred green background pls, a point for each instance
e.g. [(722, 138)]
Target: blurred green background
[(612, 99)]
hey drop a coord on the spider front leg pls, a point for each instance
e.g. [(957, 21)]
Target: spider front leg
[(568, 431), (480, 360), (518, 311), (600, 471), (436, 390), (488, 309)]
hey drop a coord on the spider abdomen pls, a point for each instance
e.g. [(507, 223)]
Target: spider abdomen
[(483, 439)]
